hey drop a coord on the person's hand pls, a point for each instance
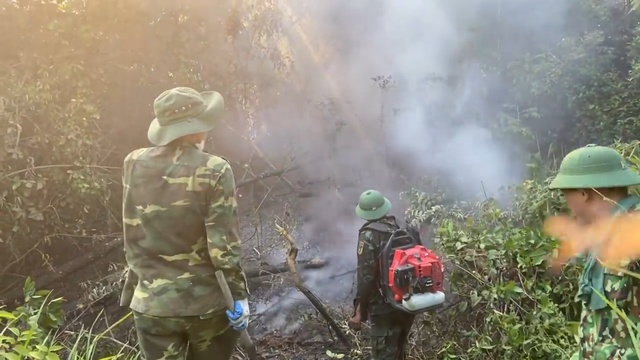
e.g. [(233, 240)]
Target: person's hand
[(239, 317), (355, 323)]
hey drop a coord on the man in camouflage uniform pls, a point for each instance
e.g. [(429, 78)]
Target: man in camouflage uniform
[(594, 181), (181, 226), (389, 327)]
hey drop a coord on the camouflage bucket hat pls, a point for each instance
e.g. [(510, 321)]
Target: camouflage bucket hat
[(594, 167), (372, 205), (183, 111)]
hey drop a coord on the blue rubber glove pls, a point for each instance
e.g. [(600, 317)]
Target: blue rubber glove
[(239, 318)]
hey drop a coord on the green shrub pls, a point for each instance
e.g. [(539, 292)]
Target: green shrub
[(33, 331), (508, 305)]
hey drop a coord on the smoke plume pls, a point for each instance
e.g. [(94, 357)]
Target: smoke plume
[(424, 115)]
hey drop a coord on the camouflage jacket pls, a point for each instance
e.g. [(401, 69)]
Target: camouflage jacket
[(603, 333), (370, 245), (181, 225)]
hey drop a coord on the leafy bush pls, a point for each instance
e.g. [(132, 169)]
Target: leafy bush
[(33, 332), (507, 304), (28, 332), (77, 81)]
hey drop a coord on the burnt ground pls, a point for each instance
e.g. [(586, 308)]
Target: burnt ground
[(284, 324)]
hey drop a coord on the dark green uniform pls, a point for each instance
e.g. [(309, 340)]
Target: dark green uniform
[(389, 327)]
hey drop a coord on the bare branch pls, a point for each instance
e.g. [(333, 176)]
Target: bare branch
[(282, 268), (42, 167), (292, 253), (266, 175)]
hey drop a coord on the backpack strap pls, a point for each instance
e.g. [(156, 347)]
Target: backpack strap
[(388, 230), (379, 227)]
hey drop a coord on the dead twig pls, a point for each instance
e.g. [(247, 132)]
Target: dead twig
[(265, 175), (286, 181), (282, 268), (261, 155), (292, 253), (42, 167)]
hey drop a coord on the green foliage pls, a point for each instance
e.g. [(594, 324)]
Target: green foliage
[(28, 332), (77, 79), (77, 82), (33, 332), (515, 309), (508, 305), (584, 86)]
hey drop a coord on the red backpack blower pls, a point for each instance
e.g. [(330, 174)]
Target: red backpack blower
[(412, 276)]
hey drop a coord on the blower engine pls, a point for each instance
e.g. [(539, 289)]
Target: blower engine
[(412, 275)]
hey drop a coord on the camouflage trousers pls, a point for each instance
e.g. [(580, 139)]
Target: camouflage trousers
[(389, 335), (606, 352), (185, 338), (602, 335)]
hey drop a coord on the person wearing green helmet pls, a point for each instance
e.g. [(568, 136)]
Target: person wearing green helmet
[(595, 182), (389, 327)]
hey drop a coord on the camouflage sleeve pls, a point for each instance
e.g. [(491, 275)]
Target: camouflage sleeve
[(223, 229), (618, 285), (367, 267)]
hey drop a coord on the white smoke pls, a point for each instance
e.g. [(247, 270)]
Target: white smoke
[(417, 126)]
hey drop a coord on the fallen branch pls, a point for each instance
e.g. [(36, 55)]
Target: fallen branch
[(282, 268), (253, 272), (66, 270), (292, 253)]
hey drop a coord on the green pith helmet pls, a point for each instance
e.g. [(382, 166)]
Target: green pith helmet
[(372, 205), (594, 167)]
